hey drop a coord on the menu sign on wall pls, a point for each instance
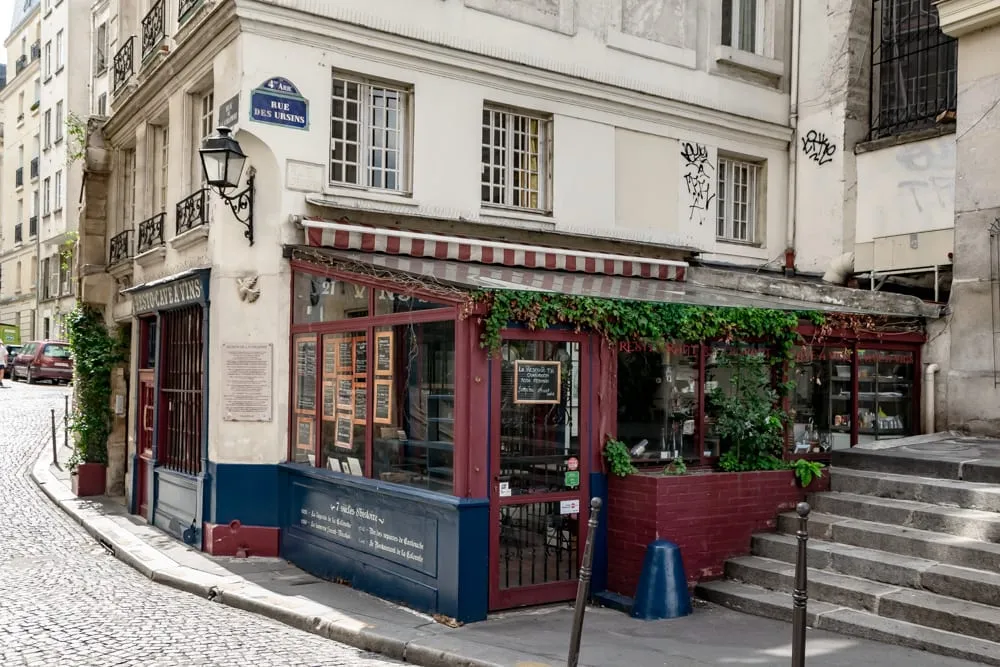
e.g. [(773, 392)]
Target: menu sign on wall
[(371, 525), (538, 382), (305, 371)]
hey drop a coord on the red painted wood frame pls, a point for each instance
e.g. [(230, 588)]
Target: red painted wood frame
[(144, 440), (589, 443), (449, 311)]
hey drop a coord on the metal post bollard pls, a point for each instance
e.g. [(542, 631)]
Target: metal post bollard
[(583, 587), (55, 444), (800, 595), (66, 423)]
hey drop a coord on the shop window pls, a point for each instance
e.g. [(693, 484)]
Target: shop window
[(322, 299), (885, 394), (304, 399), (658, 400), (181, 378), (727, 373), (413, 406), (344, 415), (821, 400), (388, 303)]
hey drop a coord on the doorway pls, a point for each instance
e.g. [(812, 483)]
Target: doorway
[(539, 455)]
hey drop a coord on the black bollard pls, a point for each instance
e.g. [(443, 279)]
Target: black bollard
[(800, 595), (55, 445), (66, 423), (583, 587)]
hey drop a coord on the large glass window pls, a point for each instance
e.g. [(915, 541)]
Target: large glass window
[(304, 399), (821, 400), (885, 394), (345, 401), (322, 299)]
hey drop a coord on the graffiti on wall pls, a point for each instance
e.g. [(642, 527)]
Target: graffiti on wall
[(699, 179), (930, 174), (817, 147)]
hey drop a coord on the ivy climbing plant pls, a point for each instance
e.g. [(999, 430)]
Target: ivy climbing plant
[(618, 320), (76, 128), (95, 353)]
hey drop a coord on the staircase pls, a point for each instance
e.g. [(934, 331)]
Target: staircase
[(893, 557)]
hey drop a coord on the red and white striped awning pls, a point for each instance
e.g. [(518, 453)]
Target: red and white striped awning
[(346, 236)]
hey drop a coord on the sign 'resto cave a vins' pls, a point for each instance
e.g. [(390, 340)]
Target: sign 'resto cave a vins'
[(168, 295)]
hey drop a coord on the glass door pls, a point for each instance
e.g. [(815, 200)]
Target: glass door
[(539, 463)]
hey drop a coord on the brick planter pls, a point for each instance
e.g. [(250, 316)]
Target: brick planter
[(89, 479), (711, 516)]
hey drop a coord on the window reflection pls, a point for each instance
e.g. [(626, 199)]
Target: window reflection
[(322, 299), (344, 402)]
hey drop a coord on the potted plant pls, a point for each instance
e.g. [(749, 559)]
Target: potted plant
[(95, 353)]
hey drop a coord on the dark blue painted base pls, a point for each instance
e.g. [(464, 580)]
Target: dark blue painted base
[(599, 575), (614, 601), (422, 549), (244, 492), (663, 590)]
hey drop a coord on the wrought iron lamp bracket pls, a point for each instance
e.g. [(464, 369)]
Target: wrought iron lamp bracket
[(241, 204)]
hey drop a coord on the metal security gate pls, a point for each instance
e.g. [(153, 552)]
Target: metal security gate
[(181, 387)]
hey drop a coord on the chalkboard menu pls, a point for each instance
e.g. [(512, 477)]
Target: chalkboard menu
[(305, 370), (345, 433), (383, 403), (329, 400), (345, 357), (371, 524), (537, 382), (345, 394), (383, 352), (360, 356), (329, 356), (360, 404)]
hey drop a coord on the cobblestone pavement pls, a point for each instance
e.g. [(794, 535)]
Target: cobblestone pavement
[(64, 601)]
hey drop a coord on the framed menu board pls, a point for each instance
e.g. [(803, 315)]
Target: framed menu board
[(329, 399), (345, 357), (305, 375), (329, 356), (383, 353), (345, 395), (383, 402), (345, 433), (360, 355), (360, 404), (537, 382)]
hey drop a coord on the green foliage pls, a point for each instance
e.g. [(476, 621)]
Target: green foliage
[(618, 320), (676, 467), (66, 249), (748, 418), (76, 128), (95, 353), (806, 471), (619, 459)]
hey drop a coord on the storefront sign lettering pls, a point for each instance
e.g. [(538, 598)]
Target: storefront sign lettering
[(167, 296), (278, 102)]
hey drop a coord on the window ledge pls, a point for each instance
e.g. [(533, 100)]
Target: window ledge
[(487, 212), (57, 141), (57, 210), (749, 61), (341, 194), (645, 48), (151, 256), (189, 238), (60, 68), (737, 243), (905, 137)]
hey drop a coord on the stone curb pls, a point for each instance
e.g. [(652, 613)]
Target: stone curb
[(237, 592)]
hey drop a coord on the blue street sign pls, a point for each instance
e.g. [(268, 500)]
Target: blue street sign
[(278, 102)]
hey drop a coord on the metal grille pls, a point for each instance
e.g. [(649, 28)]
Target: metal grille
[(153, 28), (181, 381), (514, 159), (914, 67), (538, 545), (737, 200), (123, 64), (995, 296), (367, 135)]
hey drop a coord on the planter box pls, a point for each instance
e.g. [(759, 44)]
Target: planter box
[(89, 479), (711, 516)]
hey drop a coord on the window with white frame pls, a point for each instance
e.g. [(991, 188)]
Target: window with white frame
[(102, 104), (65, 273), (205, 126), (48, 60), (59, 50), (47, 196), (161, 164), (101, 48), (59, 121), (369, 134), (516, 157), (128, 188), (738, 198), (48, 128), (743, 25), (58, 194)]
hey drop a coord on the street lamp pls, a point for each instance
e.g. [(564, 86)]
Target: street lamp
[(222, 162)]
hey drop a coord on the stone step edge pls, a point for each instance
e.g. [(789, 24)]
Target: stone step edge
[(908, 505), (911, 479), (843, 620)]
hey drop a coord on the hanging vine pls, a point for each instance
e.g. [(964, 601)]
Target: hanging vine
[(95, 353), (617, 320)]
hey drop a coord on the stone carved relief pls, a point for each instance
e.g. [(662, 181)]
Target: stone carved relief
[(668, 22), (556, 15), (247, 288)]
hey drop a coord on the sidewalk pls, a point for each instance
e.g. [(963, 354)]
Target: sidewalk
[(528, 638)]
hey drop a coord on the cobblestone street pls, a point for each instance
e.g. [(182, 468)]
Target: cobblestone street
[(64, 601)]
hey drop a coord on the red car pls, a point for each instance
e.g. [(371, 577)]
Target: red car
[(43, 360)]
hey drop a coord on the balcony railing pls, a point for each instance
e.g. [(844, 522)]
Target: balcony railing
[(150, 233), (36, 50), (192, 211), (153, 28), (19, 177), (20, 64), (34, 167), (121, 247), (18, 233), (124, 64), (33, 226), (185, 8)]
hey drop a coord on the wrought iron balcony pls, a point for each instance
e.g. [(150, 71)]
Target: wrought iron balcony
[(185, 8), (124, 64), (192, 211), (18, 233), (153, 28), (19, 177), (20, 64), (36, 50), (33, 226), (34, 167), (120, 248), (150, 233)]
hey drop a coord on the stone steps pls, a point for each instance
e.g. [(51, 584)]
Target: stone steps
[(944, 492), (852, 622)]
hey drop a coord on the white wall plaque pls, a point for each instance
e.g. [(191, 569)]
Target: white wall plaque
[(246, 394), (303, 176)]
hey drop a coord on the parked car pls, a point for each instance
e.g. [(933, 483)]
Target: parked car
[(12, 352), (44, 360)]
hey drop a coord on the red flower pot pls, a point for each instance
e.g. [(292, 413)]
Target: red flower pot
[(89, 479)]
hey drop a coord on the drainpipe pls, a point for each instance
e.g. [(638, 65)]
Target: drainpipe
[(928, 390), (793, 122)]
